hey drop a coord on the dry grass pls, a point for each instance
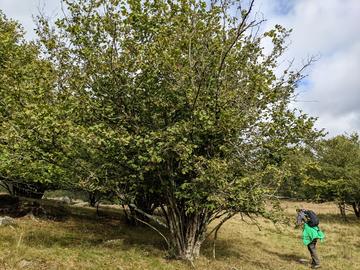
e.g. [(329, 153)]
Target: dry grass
[(100, 244)]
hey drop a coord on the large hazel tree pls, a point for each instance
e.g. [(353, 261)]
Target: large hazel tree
[(183, 105)]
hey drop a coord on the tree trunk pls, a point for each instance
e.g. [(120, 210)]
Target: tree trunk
[(342, 210), (187, 232), (191, 250), (93, 198), (356, 207), (186, 244)]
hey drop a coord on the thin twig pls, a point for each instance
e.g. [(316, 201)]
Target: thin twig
[(152, 227)]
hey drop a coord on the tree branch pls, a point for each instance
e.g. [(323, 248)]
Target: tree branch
[(133, 206), (156, 230)]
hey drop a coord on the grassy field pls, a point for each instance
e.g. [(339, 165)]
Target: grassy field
[(111, 244)]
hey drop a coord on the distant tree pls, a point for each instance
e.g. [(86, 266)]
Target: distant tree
[(178, 106), (337, 177), (297, 165), (28, 163)]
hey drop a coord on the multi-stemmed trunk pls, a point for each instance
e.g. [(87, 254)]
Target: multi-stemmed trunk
[(356, 208), (186, 230)]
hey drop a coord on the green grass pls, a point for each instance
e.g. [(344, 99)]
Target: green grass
[(111, 244)]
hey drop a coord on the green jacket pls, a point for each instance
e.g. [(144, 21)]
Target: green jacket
[(311, 233)]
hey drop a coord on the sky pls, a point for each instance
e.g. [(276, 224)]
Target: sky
[(326, 29)]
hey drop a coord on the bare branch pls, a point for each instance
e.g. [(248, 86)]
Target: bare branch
[(254, 221), (156, 230), (217, 227), (216, 230), (240, 30)]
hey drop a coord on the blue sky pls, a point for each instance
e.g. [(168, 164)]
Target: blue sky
[(327, 29)]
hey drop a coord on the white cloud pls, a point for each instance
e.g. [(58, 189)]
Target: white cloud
[(335, 88), (336, 82), (328, 29)]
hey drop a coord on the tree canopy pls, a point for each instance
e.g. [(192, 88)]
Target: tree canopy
[(163, 104)]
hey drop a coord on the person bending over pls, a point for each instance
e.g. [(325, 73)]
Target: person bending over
[(311, 233)]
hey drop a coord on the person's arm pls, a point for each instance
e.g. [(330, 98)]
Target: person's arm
[(300, 217)]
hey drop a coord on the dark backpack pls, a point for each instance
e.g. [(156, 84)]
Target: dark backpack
[(313, 219)]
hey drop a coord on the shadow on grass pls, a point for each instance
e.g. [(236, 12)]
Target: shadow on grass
[(243, 251), (85, 233), (336, 218), (224, 249), (289, 257), (230, 248)]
